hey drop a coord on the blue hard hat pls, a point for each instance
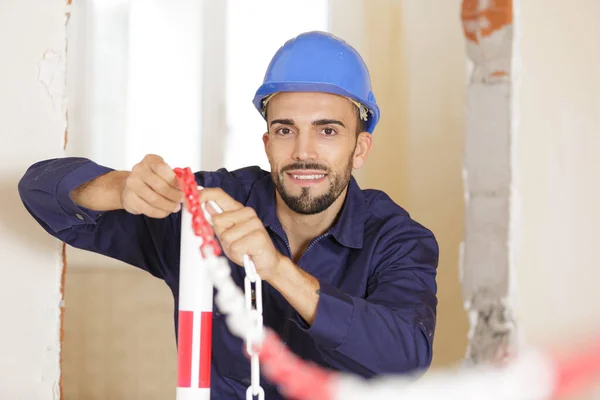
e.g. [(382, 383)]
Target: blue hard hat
[(320, 62)]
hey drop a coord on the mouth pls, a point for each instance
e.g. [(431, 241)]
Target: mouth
[(306, 178)]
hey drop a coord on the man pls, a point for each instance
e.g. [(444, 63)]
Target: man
[(349, 276)]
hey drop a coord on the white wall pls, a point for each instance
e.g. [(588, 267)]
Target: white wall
[(164, 101), (32, 39), (97, 80), (557, 169), (135, 80)]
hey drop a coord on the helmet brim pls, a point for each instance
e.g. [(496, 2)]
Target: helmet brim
[(270, 88)]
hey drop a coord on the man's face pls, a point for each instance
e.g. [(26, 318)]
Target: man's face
[(312, 146)]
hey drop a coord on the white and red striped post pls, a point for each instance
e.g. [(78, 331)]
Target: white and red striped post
[(195, 317)]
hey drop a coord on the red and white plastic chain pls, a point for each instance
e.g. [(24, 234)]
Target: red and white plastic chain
[(200, 225)]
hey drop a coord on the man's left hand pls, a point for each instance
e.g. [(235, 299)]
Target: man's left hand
[(240, 232)]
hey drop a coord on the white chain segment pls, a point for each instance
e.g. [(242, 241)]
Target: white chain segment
[(245, 322), (257, 331)]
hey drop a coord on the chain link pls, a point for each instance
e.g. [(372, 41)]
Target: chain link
[(256, 333)]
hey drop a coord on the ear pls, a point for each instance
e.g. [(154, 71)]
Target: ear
[(265, 139), (364, 142)]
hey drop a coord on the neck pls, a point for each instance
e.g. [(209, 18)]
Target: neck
[(302, 229)]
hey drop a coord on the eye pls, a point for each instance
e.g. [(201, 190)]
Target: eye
[(329, 131), (283, 131)]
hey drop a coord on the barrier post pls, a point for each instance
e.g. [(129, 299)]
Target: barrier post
[(195, 317)]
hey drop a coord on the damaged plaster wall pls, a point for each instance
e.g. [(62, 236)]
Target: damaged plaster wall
[(34, 123), (488, 29)]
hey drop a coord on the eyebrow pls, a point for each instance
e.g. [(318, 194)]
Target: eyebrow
[(318, 122), (282, 122), (328, 122)]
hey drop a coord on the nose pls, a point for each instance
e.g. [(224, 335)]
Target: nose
[(304, 147)]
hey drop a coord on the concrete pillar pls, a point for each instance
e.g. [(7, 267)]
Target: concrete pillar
[(488, 29)]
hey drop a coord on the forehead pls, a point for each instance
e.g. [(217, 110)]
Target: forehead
[(297, 104)]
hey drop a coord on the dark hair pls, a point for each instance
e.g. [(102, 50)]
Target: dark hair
[(361, 125)]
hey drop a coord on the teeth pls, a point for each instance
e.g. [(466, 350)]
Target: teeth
[(308, 177)]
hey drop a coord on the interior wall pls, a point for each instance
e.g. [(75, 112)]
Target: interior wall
[(557, 170), (416, 54), (33, 118), (119, 335), (97, 80)]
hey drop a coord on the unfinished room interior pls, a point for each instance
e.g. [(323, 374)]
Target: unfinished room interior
[(486, 150)]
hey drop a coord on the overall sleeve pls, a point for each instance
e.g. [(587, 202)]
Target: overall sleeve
[(147, 243), (391, 329)]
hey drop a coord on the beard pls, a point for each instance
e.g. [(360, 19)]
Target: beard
[(305, 203)]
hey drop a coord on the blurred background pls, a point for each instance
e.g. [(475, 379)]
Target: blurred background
[(489, 137)]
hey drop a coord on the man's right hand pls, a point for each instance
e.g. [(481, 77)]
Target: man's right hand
[(151, 189)]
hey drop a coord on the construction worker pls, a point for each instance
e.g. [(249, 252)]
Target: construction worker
[(349, 276)]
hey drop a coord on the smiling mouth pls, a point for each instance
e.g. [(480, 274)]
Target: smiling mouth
[(306, 177)]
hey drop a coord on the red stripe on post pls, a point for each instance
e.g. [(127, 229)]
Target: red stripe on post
[(205, 349), (184, 348)]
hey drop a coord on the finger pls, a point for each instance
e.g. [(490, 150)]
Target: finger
[(140, 206), (223, 200), (155, 199), (246, 243), (226, 220), (162, 187), (239, 230), (162, 169)]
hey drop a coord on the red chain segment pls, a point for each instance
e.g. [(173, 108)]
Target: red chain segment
[(577, 371), (201, 227), (296, 378)]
